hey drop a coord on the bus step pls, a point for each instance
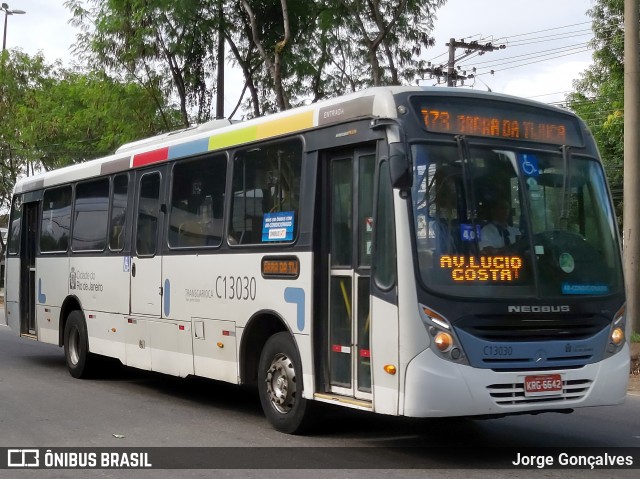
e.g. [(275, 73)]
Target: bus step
[(344, 401), (29, 336)]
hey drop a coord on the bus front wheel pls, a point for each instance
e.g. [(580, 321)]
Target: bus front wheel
[(80, 361), (280, 385)]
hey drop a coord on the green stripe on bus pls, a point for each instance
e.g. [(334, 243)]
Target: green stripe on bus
[(233, 138)]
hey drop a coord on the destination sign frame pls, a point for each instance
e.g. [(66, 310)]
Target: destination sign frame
[(497, 119)]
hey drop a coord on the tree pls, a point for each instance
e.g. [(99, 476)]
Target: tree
[(166, 46), (389, 36), (328, 48), (289, 52), (599, 93), (77, 116), (272, 60), (52, 117), (20, 74), (272, 42)]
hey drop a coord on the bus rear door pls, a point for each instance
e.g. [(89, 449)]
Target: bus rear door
[(28, 268)]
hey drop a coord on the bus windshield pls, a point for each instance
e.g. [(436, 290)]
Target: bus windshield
[(505, 222)]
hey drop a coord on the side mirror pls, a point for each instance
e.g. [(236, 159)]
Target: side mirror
[(399, 167)]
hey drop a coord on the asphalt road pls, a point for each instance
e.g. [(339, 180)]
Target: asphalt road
[(41, 405)]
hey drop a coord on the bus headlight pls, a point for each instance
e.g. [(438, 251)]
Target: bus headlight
[(443, 336), (617, 336), (443, 341)]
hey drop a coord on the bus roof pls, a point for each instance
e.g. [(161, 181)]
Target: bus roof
[(221, 134)]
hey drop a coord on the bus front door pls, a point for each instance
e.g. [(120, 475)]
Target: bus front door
[(28, 269), (349, 214)]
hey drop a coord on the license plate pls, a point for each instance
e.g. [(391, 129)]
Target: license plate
[(543, 385)]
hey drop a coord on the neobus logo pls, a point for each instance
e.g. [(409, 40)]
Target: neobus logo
[(539, 309)]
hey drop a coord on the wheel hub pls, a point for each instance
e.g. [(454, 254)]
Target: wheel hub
[(281, 383)]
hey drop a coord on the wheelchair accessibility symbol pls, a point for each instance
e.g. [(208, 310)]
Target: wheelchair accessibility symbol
[(529, 165)]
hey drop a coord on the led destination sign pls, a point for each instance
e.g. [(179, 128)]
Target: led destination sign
[(492, 119), (471, 269)]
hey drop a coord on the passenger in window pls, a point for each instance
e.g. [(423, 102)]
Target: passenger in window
[(498, 233)]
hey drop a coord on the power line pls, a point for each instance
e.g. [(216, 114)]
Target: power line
[(492, 66), (506, 39), (532, 55), (541, 31), (492, 71), (547, 39)]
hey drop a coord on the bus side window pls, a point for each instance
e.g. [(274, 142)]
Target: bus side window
[(266, 181), (197, 202), (90, 213), (56, 220)]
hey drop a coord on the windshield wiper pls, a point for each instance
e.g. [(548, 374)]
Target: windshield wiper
[(469, 191), (566, 185)]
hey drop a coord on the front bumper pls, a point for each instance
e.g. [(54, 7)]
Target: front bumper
[(438, 388)]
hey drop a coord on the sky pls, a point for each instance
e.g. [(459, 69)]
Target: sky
[(546, 42)]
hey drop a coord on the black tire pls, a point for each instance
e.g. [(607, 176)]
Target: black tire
[(280, 385), (80, 362)]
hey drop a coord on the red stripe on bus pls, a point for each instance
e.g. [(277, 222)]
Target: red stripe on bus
[(151, 157), (365, 353)]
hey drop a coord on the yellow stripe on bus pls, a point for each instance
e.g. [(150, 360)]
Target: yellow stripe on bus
[(300, 121), (289, 124)]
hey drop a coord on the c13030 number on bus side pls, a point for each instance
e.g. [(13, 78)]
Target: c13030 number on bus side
[(236, 287)]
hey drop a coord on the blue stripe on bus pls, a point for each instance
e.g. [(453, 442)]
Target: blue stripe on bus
[(533, 354), (167, 297), (42, 298), (296, 296), (188, 149)]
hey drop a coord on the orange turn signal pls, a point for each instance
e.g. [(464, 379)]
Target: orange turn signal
[(390, 369)]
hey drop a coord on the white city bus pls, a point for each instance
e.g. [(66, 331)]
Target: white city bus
[(340, 252)]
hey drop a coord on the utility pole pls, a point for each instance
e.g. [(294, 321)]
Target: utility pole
[(452, 62), (451, 73), (631, 226), (220, 79)]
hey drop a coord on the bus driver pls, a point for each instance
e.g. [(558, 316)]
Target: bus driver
[(498, 233)]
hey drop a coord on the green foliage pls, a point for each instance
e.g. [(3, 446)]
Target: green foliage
[(292, 52), (52, 117), (599, 95), (85, 115), (19, 76), (163, 45), (635, 338)]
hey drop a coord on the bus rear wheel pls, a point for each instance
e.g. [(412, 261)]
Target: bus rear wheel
[(80, 362), (280, 385)]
